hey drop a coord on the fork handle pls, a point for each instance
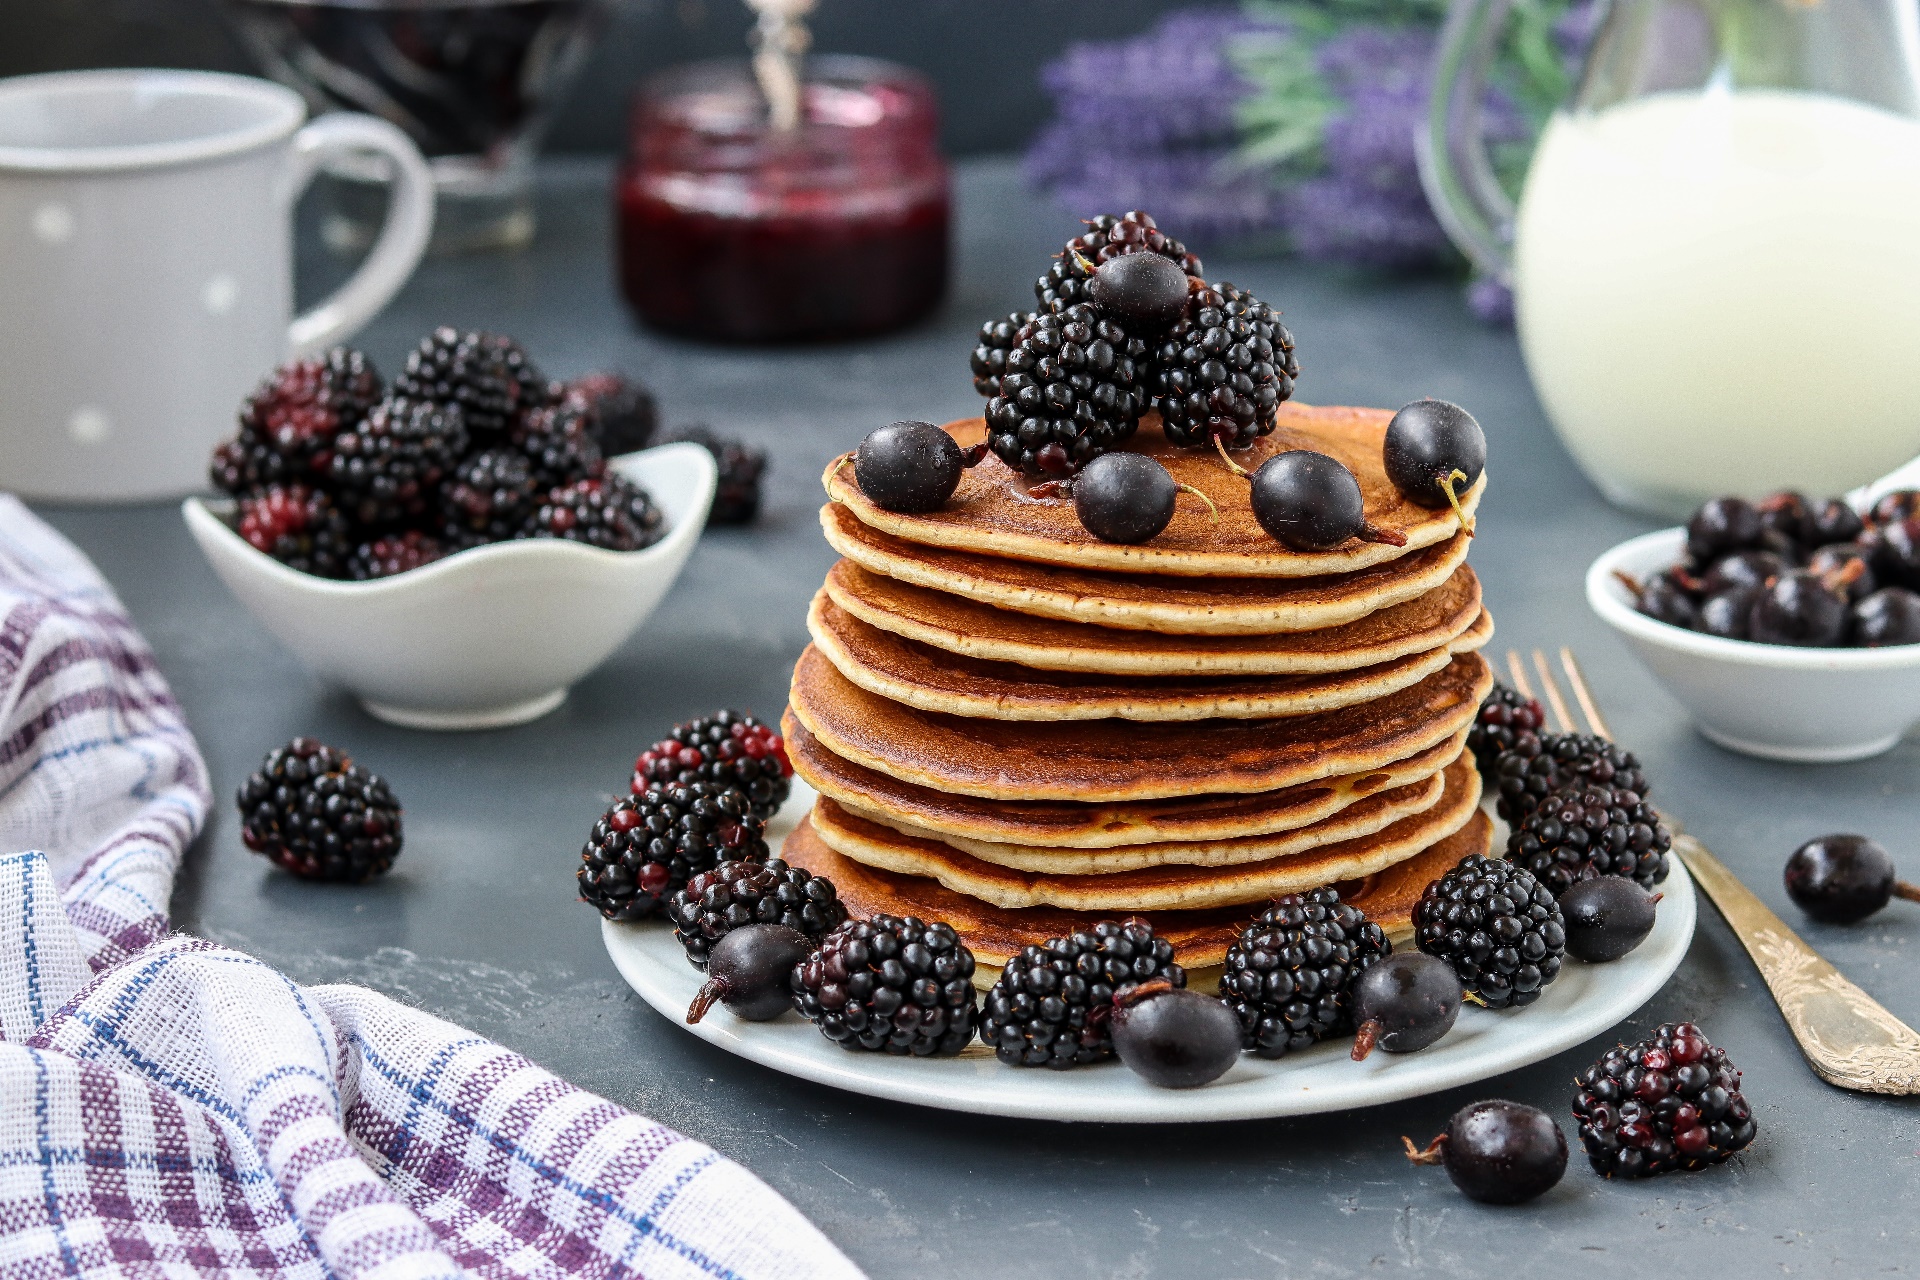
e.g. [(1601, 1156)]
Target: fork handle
[(1850, 1040)]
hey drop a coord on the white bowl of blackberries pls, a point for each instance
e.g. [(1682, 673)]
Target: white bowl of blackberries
[(458, 547), (1789, 628)]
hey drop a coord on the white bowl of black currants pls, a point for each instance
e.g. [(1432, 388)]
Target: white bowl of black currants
[(1788, 629)]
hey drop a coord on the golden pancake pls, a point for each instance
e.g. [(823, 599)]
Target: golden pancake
[(934, 680), (1218, 606), (1362, 818), (1105, 760), (1062, 825), (992, 512), (1161, 888), (1200, 938), (954, 624)]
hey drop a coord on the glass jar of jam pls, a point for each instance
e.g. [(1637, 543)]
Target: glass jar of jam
[(732, 229)]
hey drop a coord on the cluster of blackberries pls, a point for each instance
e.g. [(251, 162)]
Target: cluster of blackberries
[(336, 474), (315, 813), (1127, 322), (1787, 570)]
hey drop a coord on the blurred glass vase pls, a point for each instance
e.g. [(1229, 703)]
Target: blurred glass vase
[(474, 83), (1714, 260)]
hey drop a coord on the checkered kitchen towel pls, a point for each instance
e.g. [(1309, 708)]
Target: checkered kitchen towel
[(172, 1108)]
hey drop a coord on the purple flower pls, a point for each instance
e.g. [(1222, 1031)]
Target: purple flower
[(1199, 194), (1491, 302)]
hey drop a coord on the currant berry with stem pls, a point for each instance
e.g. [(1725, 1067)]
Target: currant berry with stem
[(1310, 502), (1434, 452), (1173, 1037), (1123, 497), (748, 971), (1662, 599), (1890, 616), (911, 467), (1607, 917), (1841, 879), (1498, 1152), (1144, 292), (1404, 1003)]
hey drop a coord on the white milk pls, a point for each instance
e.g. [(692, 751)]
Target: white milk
[(1720, 293)]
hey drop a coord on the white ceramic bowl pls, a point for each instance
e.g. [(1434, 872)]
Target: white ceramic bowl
[(1776, 701), (488, 637)]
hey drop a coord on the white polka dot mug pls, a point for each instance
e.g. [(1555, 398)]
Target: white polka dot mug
[(146, 267)]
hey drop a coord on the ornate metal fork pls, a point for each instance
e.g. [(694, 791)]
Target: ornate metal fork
[(1848, 1038)]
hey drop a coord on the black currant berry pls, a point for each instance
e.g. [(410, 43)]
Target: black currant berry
[(1311, 502), (1607, 917), (1840, 879), (1835, 565), (1428, 442), (1663, 600), (1833, 521), (1125, 497), (1144, 292), (1173, 1037), (1404, 1003), (1726, 614), (1498, 1152), (1721, 527), (1743, 569), (748, 971), (1895, 549), (1889, 616), (1798, 608), (910, 467)]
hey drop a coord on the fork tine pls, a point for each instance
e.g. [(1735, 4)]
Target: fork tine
[(1517, 675), (1581, 694), (1551, 689)]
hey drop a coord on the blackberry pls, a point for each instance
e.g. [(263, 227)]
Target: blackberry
[(609, 513), (488, 377), (1497, 926), (388, 467), (1073, 389), (1223, 370), (891, 985), (728, 747), (1052, 1005), (1289, 978), (1537, 765), (1670, 1102), (1504, 716), (736, 499), (646, 847), (244, 464), (558, 442), (1067, 281), (489, 497), (299, 526), (743, 892), (997, 338), (623, 416), (314, 812), (1591, 829), (393, 553), (289, 423)]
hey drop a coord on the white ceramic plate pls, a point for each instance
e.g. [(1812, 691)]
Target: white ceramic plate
[(1582, 1003)]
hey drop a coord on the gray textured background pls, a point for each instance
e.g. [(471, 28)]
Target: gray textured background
[(984, 55), (478, 922)]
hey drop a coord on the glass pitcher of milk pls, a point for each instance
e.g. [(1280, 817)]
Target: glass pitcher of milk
[(1716, 255)]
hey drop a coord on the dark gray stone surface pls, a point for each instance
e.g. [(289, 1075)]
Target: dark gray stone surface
[(478, 922)]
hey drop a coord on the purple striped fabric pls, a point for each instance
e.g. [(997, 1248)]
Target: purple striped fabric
[(170, 1107)]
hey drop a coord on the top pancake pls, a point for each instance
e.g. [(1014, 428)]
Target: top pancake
[(991, 510), (1105, 760), (1146, 602)]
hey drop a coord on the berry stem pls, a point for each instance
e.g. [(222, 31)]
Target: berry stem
[(713, 992), (1159, 986), (1430, 1155), (1902, 889), (1232, 466), (1374, 533), (1215, 511), (974, 456), (1365, 1038), (1446, 484), (1051, 489)]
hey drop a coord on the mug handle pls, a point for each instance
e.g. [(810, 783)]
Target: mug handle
[(403, 238)]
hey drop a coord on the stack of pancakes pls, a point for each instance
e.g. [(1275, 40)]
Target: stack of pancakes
[(1019, 729)]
